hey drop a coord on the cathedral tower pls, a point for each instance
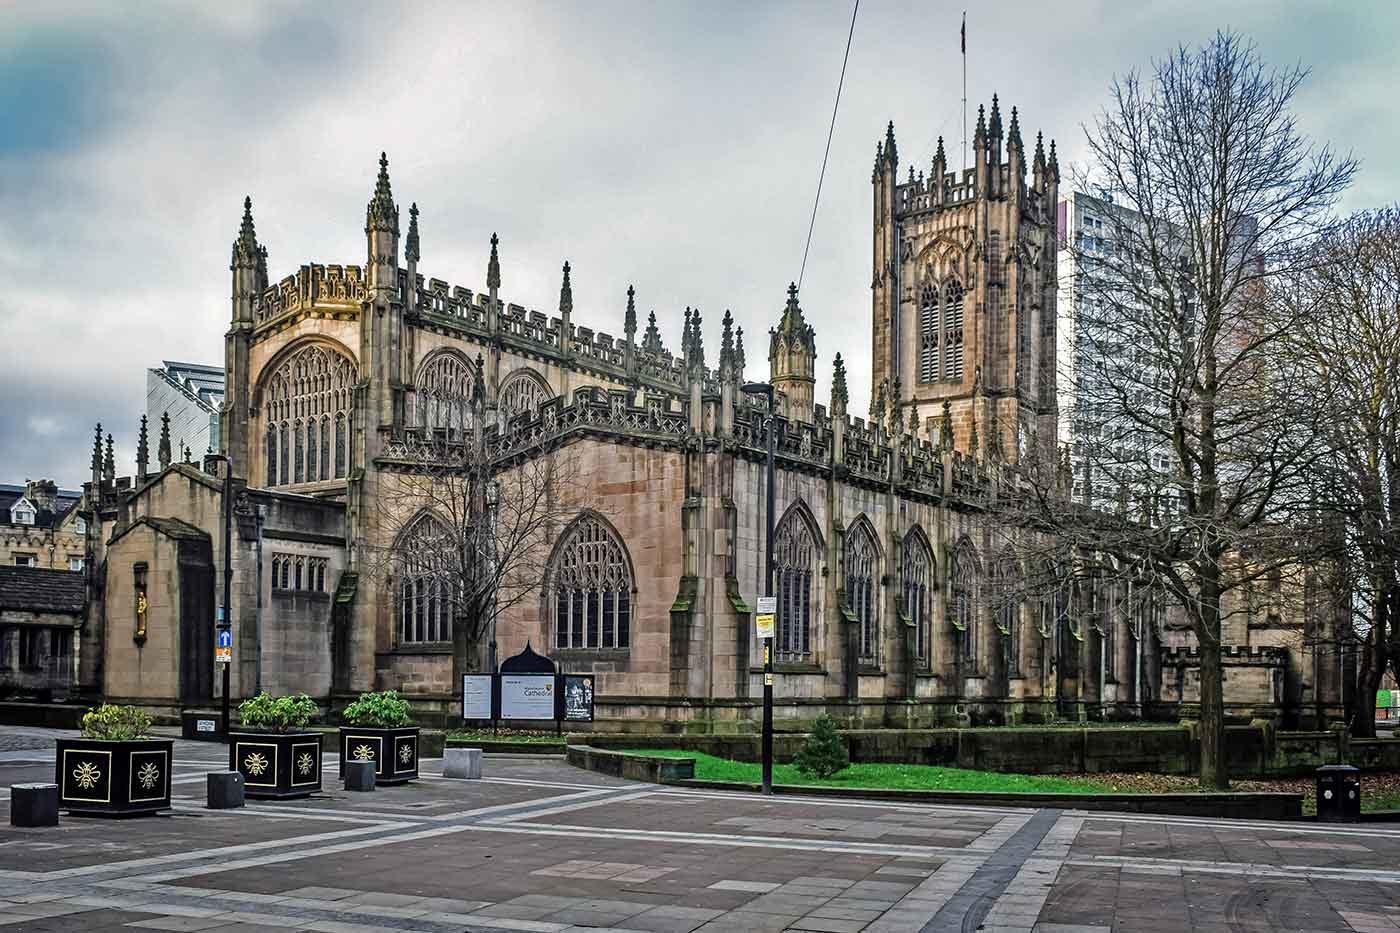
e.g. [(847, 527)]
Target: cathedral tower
[(792, 357), (964, 290)]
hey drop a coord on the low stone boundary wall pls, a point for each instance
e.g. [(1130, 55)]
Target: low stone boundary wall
[(43, 715), (680, 772), (632, 767), (509, 748)]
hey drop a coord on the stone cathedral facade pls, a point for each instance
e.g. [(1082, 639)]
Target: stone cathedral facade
[(888, 551)]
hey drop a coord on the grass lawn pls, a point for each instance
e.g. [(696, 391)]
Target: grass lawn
[(898, 777), (505, 735)]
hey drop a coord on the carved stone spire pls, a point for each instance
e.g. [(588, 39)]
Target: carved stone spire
[(726, 341), (189, 455), (1039, 151), (629, 321), (382, 213), (994, 124), (245, 247), (410, 250), (877, 405), (163, 455), (493, 266), (839, 392), (980, 134), (479, 382), (143, 452), (973, 441), (739, 354), (697, 341), (1054, 164), (994, 446), (109, 463), (1013, 135), (651, 339), (914, 420), (945, 427), (97, 454), (566, 295), (891, 153)]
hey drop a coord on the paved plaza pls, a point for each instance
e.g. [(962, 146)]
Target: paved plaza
[(539, 846)]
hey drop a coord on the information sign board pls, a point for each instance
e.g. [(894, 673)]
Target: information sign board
[(527, 696), (578, 697), (763, 618), (476, 696), (223, 647)]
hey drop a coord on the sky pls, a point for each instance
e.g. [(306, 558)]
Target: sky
[(671, 146)]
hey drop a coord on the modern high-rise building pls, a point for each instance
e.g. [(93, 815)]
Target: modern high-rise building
[(191, 394)]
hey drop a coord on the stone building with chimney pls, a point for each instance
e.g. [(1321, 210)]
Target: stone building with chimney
[(890, 565)]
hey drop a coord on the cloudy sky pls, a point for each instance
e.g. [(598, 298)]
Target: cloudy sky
[(674, 146)]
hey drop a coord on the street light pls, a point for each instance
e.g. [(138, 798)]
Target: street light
[(493, 501), (766, 388), (225, 620)]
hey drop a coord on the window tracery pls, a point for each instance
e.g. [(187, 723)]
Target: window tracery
[(309, 388), (444, 394), (426, 583), (963, 603), (794, 557), (861, 578), (916, 571), (591, 589), (521, 392)]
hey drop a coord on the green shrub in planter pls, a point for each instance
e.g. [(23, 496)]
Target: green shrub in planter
[(386, 709), (115, 723), (114, 767), (825, 752), (277, 714), (272, 748), (379, 730)]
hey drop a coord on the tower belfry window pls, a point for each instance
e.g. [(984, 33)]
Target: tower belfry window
[(928, 334), (953, 332)]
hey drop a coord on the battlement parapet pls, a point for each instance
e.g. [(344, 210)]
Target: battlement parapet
[(1238, 654), (333, 287)]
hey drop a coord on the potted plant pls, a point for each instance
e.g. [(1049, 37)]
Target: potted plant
[(114, 767), (379, 730), (272, 748)]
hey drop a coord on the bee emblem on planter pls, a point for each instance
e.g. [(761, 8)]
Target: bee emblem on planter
[(149, 775), (256, 764), (86, 775), (305, 764), (405, 754), (364, 753)]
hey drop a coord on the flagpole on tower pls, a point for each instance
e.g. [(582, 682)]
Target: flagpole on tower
[(963, 40)]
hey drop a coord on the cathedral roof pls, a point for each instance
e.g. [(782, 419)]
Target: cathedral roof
[(35, 589)]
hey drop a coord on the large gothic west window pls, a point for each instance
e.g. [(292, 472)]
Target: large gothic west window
[(861, 579), (916, 576), (962, 603), (426, 582), (590, 588), (521, 392), (795, 558), (306, 409), (443, 394)]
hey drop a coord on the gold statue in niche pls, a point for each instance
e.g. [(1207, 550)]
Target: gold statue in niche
[(141, 603)]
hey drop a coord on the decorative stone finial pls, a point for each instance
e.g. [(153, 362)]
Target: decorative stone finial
[(382, 213), (109, 463), (246, 251), (493, 266), (629, 322), (143, 453), (97, 452), (410, 252), (566, 294), (1054, 164), (945, 428), (651, 339), (839, 392), (1013, 135), (739, 353), (891, 154), (726, 341), (163, 455)]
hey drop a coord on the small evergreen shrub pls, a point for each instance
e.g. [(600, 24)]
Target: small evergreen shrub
[(115, 723), (277, 714), (385, 710), (825, 752)]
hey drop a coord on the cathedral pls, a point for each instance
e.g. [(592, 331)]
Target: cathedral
[(888, 554)]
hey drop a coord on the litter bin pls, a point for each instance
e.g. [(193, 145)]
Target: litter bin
[(1338, 794)]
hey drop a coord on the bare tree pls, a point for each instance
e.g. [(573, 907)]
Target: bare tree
[(1346, 352), (1204, 192), (468, 516)]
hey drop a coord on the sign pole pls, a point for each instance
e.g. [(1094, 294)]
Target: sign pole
[(768, 592)]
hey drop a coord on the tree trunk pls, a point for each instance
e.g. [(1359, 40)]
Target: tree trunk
[(1372, 668), (1215, 773), (464, 660)]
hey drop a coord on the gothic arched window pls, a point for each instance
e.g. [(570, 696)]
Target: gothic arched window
[(1009, 615), (862, 575), (423, 559), (312, 384), (591, 588), (444, 394), (953, 332), (962, 603), (795, 557), (916, 576), (521, 392), (928, 333)]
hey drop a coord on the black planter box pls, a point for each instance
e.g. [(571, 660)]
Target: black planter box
[(113, 778), (276, 764), (393, 749)]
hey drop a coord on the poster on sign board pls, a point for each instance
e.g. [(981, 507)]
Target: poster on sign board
[(578, 697), (476, 696), (527, 696)]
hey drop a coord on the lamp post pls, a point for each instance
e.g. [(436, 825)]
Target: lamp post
[(224, 620), (493, 501), (766, 388)]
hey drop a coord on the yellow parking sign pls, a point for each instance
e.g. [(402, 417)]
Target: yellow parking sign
[(763, 618)]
